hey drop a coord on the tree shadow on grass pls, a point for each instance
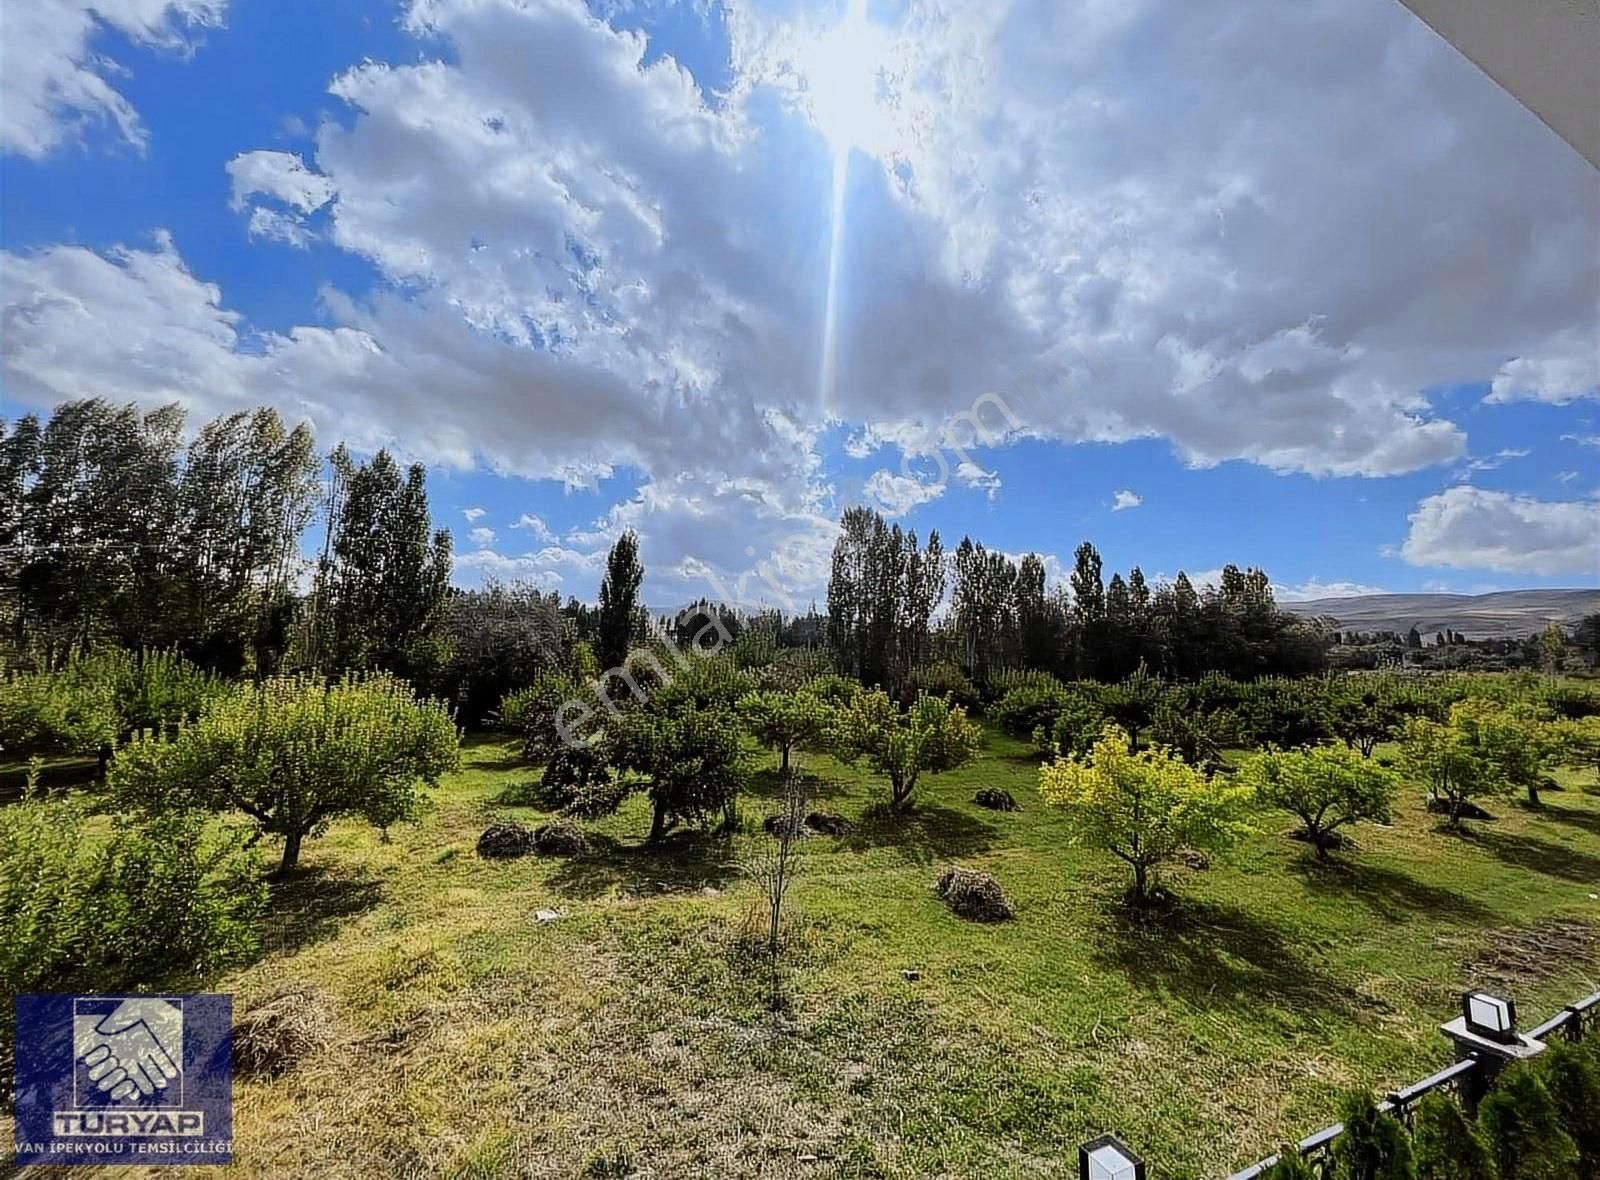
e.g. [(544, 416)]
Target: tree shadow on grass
[(1589, 821), (1215, 956), (1386, 892), (681, 862), (1540, 856), (768, 785), (924, 833), (313, 903)]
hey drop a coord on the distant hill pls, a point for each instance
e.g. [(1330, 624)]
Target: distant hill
[(1507, 613)]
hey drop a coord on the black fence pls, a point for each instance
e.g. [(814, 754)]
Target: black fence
[(1466, 1079)]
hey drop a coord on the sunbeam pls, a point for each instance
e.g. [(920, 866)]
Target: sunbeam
[(842, 68)]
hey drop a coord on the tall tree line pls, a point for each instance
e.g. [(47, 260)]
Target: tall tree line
[(1003, 614), (882, 592), (113, 531)]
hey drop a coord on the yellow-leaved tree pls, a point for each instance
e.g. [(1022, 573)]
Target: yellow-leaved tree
[(1144, 806)]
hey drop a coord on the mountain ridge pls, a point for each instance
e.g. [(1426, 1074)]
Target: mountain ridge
[(1500, 614)]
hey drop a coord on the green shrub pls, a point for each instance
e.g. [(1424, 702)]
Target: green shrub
[(1522, 1124), (1010, 679), (945, 679), (785, 720), (66, 712), (1078, 723), (532, 713), (1447, 1145), (1030, 707), (293, 755), (706, 682), (1572, 1076), (578, 781), (177, 896), (1374, 1145), (690, 761)]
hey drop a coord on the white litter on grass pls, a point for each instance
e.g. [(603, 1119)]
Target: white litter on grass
[(547, 915)]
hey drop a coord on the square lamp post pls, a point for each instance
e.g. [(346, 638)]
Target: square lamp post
[(1486, 1032), (1489, 1017), (1108, 1158)]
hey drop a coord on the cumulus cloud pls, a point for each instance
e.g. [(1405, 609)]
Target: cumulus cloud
[(1472, 528), (1131, 221), (1567, 368), (52, 82), (473, 514), (280, 175), (482, 536), (535, 526), (1126, 499), (897, 495), (283, 178)]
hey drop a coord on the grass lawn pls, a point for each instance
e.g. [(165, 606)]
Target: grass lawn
[(476, 1041)]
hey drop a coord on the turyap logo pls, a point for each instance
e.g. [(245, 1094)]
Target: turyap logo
[(125, 1079)]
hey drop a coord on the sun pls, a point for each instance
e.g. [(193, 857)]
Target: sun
[(842, 69)]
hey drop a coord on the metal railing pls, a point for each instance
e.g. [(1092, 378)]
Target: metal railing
[(1317, 1149)]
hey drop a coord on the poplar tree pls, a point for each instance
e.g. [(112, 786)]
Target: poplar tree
[(619, 600)]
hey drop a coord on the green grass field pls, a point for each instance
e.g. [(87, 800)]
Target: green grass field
[(635, 1032)]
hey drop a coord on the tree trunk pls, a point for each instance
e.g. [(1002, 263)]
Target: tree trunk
[(291, 854), (1140, 888), (658, 824), (1533, 795), (783, 767)]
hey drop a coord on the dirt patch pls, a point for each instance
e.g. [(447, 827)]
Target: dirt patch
[(280, 1033), (1523, 954)]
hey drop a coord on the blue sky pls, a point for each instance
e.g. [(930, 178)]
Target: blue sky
[(1290, 286)]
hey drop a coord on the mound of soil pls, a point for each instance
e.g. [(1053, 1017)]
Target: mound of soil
[(1194, 859), (278, 1034), (996, 799), (505, 839), (816, 823), (973, 895), (559, 839), (825, 823)]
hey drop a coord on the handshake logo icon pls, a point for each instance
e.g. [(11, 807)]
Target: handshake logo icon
[(124, 1079)]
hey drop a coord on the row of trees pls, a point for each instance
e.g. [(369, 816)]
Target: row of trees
[(885, 590), (1143, 804), (114, 532)]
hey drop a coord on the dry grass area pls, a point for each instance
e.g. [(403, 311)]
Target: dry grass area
[(633, 1035)]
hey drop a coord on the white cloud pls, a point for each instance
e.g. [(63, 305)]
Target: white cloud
[(897, 495), (535, 526), (283, 178), (973, 476), (1126, 499), (482, 536), (280, 175), (1471, 528), (273, 225), (52, 82), (473, 514), (1566, 369), (1315, 588)]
